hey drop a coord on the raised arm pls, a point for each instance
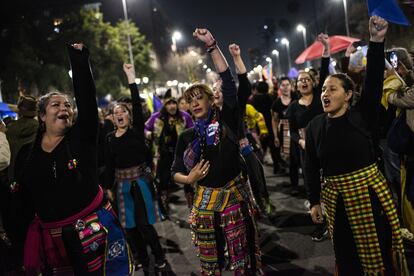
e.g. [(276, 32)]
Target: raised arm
[(245, 88), (137, 116), (326, 56), (228, 87), (85, 93), (370, 100)]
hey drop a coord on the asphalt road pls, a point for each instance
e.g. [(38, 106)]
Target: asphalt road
[(285, 240)]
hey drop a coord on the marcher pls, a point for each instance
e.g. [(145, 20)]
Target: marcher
[(340, 148), (302, 111), (163, 129), (74, 228), (206, 156), (23, 130), (129, 178), (281, 130)]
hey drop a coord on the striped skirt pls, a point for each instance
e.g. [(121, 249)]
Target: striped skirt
[(220, 231)]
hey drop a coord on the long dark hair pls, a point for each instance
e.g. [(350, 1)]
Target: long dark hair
[(164, 113)]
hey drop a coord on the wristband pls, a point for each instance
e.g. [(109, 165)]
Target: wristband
[(210, 48)]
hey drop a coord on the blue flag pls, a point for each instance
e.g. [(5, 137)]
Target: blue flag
[(389, 10)]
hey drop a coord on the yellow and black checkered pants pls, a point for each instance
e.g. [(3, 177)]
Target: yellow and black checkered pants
[(353, 187)]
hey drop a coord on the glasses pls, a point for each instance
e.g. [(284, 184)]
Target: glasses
[(304, 80)]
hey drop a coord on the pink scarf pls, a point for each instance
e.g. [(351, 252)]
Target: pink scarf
[(40, 245)]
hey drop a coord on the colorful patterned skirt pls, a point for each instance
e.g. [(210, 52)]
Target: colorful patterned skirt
[(354, 189), (285, 145), (88, 243), (223, 229), (136, 197)]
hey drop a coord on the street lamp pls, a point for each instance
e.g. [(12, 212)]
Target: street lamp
[(301, 28), (175, 37), (285, 42), (131, 58), (276, 53), (346, 18)]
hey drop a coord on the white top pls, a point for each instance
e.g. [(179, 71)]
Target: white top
[(4, 152)]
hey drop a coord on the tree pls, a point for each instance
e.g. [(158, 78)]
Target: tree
[(184, 66), (37, 61)]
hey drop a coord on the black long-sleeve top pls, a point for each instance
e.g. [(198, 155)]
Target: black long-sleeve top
[(128, 150), (224, 157), (345, 144), (49, 187), (300, 115), (243, 93)]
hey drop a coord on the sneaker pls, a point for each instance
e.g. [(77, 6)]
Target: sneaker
[(306, 204), (160, 264), (320, 234), (270, 208), (407, 235)]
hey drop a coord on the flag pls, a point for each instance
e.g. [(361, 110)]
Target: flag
[(389, 10), (157, 104)]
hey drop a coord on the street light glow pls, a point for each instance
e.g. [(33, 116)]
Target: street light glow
[(200, 61), (284, 41), (208, 70), (145, 80), (268, 59), (204, 66), (300, 28), (275, 52), (177, 35)]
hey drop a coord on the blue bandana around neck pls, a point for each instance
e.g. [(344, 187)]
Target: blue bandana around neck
[(207, 133)]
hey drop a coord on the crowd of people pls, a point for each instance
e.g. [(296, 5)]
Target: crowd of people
[(81, 188)]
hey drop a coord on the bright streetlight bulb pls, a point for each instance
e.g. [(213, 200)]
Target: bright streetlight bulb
[(275, 52), (268, 59), (204, 66), (200, 61), (177, 35), (300, 28), (208, 70), (284, 41), (145, 80)]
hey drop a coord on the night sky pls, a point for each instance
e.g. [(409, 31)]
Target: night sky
[(241, 21)]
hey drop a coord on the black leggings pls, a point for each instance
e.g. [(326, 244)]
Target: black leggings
[(141, 236), (346, 255)]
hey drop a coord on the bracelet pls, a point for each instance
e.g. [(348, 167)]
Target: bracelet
[(210, 48)]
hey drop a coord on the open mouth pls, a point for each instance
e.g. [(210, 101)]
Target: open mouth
[(63, 117), (326, 102), (120, 120)]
